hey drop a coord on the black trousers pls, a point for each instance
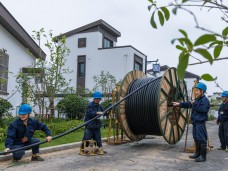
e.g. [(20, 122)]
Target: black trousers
[(223, 134)]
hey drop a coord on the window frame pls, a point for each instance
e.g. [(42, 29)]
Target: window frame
[(79, 42), (139, 61), (109, 41), (4, 65)]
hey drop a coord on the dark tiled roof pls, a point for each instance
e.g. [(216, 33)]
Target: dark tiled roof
[(100, 23), (187, 74), (17, 31)]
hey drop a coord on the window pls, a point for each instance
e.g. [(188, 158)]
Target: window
[(4, 59), (107, 43), (81, 75), (138, 63), (81, 69), (138, 66), (81, 42)]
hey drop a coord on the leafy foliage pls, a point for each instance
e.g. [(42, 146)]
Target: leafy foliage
[(203, 45), (73, 106), (3, 132), (107, 103), (104, 82), (59, 127), (45, 78), (5, 106)]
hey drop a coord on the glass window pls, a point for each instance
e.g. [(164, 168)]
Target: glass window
[(108, 43), (81, 42), (81, 69), (4, 58), (138, 66)]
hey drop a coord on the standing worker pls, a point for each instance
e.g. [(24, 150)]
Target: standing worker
[(92, 130), (200, 107), (222, 121), (20, 134)]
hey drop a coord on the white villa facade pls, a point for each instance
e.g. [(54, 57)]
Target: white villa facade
[(93, 48), (14, 44)]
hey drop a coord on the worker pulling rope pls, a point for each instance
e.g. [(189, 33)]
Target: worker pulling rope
[(80, 126)]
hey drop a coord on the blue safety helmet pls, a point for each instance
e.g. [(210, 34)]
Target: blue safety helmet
[(25, 109), (97, 95), (224, 94), (201, 86)]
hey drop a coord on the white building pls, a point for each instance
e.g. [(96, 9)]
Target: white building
[(14, 44), (93, 48)]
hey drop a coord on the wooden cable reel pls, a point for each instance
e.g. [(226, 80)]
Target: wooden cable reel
[(171, 121)]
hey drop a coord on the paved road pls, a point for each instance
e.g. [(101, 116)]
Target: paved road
[(149, 154)]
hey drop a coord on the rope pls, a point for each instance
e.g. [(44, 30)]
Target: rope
[(82, 125)]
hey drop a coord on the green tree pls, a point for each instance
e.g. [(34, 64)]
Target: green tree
[(73, 106), (5, 106), (204, 45), (45, 78), (104, 82)]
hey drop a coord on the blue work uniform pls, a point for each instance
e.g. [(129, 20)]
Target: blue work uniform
[(199, 116), (18, 130), (223, 126), (92, 129)]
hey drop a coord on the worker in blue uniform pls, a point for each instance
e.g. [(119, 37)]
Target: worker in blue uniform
[(199, 115), (20, 133), (222, 121), (92, 129)]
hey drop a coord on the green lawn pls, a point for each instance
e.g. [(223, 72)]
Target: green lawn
[(70, 138)]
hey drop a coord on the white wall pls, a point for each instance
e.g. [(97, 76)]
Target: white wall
[(18, 58), (118, 61)]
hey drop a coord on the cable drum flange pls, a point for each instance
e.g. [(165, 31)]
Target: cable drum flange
[(149, 111)]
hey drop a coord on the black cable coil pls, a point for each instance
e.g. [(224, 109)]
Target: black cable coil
[(141, 107)]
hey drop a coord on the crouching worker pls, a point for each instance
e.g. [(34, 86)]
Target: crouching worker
[(222, 121), (92, 130), (20, 134), (200, 107)]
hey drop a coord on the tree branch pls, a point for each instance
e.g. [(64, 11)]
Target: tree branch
[(218, 59)]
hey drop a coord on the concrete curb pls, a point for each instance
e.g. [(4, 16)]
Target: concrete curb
[(48, 149)]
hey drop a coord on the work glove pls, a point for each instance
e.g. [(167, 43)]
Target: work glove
[(100, 113), (6, 150)]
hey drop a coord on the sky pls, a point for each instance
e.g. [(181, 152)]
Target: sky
[(132, 19)]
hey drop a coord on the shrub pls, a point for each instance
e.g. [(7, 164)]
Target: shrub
[(211, 117), (105, 104), (73, 106), (2, 134), (5, 106), (59, 127)]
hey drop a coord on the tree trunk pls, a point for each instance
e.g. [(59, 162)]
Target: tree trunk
[(51, 107)]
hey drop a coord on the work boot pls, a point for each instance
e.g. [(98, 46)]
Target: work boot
[(203, 151), (197, 153), (101, 151), (37, 158)]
